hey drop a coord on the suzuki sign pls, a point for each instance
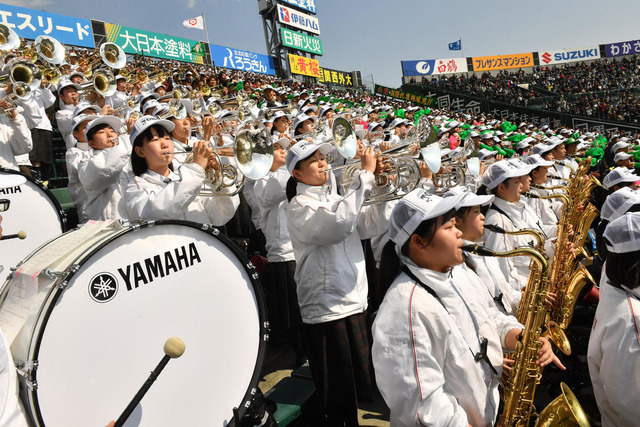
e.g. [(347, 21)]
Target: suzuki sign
[(550, 57)]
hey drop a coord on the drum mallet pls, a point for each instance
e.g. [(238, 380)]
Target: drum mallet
[(20, 235), (173, 348)]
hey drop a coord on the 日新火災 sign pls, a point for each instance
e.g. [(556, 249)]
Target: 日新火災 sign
[(300, 41)]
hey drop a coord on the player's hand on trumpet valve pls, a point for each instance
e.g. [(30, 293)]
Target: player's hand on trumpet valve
[(202, 154)]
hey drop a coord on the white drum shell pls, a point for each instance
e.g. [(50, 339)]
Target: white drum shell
[(33, 210), (94, 356)]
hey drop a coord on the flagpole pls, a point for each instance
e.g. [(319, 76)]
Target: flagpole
[(461, 47), (206, 34)]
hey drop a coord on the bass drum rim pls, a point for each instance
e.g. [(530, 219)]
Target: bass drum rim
[(62, 216), (31, 395)]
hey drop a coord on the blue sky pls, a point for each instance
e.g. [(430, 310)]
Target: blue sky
[(374, 36)]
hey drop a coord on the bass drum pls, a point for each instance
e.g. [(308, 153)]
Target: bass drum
[(34, 210), (103, 310)]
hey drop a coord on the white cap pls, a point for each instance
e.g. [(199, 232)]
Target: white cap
[(414, 208), (188, 105), (278, 114), (81, 118), (468, 197), (324, 110), (618, 203), (373, 126), (500, 171), (396, 122), (143, 123), (621, 156), (619, 145), (537, 160), (152, 103), (618, 175), (302, 150), (522, 145), (483, 153), (283, 142), (112, 121), (301, 118), (623, 234), (85, 106), (65, 83), (541, 149)]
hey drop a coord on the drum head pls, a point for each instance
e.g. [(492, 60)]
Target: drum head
[(106, 331), (32, 209)]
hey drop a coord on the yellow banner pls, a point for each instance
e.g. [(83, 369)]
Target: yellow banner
[(502, 62), (304, 66)]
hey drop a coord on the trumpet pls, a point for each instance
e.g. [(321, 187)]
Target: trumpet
[(253, 153), (20, 91), (270, 112), (176, 109)]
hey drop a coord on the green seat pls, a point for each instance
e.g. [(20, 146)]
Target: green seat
[(291, 395), (64, 197)]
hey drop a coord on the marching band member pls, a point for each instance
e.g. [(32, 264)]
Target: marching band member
[(281, 122), (156, 192), (614, 345), (99, 171), (73, 157), (68, 95), (325, 231), (545, 209), (437, 349), (120, 98), (34, 106), (503, 179), (15, 139), (620, 177), (559, 152), (470, 222), (270, 193)]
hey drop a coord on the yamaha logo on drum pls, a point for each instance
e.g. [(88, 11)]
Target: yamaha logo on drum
[(103, 287)]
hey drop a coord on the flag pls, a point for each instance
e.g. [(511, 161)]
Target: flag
[(196, 23), (457, 45), (198, 49)]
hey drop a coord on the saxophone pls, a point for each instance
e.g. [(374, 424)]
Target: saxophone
[(520, 388)]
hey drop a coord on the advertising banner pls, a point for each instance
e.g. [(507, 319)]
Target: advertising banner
[(305, 66), (300, 41), (241, 60), (308, 5), (502, 62), (562, 56), (30, 23), (157, 45), (299, 20), (329, 76), (622, 48), (434, 67), (405, 96)]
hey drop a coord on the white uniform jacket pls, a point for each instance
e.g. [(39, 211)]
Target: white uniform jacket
[(270, 192), (117, 100), (14, 140), (423, 353), (152, 196), (64, 121), (326, 230), (487, 269), (614, 356), (73, 157), (100, 173), (519, 216), (34, 109), (548, 210)]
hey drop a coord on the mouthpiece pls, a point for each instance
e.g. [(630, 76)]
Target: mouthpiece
[(478, 250), (494, 228)]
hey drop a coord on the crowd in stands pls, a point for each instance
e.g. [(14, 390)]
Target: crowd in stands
[(603, 88)]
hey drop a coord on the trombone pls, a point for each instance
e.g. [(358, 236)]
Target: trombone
[(270, 112)]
